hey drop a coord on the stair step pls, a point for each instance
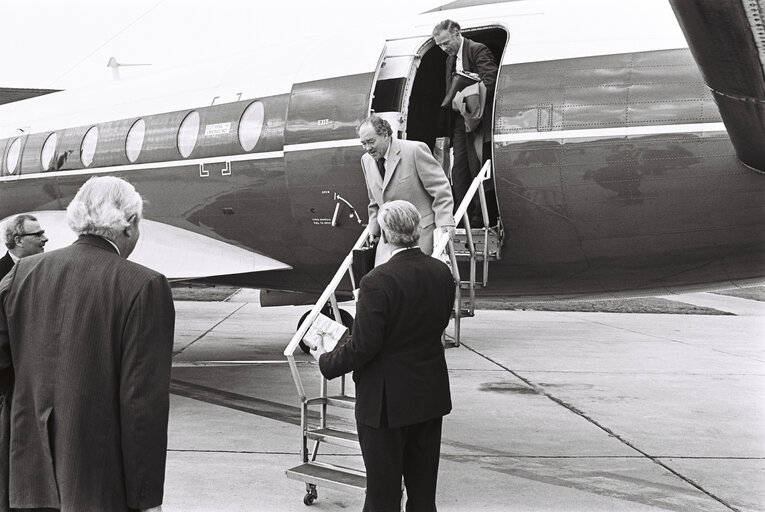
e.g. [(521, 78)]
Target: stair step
[(464, 313), (465, 255), (344, 401), (334, 436), (328, 475)]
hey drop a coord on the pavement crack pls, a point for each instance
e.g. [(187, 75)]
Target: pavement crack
[(538, 389), (208, 330)]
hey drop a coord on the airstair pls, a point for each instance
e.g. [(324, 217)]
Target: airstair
[(317, 425)]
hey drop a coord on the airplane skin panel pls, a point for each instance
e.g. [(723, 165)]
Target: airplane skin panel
[(561, 29), (623, 191), (652, 88), (327, 110), (322, 164), (111, 143)]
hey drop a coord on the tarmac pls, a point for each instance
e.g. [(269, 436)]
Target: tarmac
[(552, 412)]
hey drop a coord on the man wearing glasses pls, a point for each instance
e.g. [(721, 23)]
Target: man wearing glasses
[(23, 237)]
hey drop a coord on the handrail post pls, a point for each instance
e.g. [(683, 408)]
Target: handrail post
[(325, 296)]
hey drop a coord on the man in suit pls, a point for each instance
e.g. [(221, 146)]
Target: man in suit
[(23, 237), (402, 169), (467, 56), (398, 363), (89, 337)]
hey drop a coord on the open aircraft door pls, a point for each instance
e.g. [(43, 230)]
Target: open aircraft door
[(332, 93)]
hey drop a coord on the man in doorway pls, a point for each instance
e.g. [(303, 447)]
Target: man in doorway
[(23, 237), (465, 55), (403, 169), (399, 367)]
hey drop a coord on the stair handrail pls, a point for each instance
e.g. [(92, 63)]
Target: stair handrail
[(483, 175), (289, 352), (439, 249), (329, 290)]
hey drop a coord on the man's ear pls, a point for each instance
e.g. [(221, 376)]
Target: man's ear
[(132, 224)]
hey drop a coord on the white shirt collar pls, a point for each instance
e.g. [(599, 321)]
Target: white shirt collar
[(403, 249), (14, 257), (113, 245), (459, 55)]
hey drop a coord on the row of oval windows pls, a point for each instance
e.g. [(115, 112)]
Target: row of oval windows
[(250, 128)]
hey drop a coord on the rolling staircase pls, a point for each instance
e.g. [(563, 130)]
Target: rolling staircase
[(318, 426)]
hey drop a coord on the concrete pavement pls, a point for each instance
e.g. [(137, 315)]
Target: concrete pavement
[(552, 412)]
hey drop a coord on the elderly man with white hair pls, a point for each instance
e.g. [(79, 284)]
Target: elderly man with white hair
[(86, 340), (398, 363)]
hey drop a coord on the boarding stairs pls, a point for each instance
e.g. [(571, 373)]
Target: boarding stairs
[(317, 425)]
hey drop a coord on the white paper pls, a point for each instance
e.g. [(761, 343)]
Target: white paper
[(324, 329)]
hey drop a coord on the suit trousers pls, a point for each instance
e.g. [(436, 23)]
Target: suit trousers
[(411, 452), (467, 165)]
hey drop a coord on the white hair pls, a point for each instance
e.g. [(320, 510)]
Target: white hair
[(401, 222), (103, 206)]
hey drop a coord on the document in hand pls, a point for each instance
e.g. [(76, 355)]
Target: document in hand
[(460, 80), (324, 329)]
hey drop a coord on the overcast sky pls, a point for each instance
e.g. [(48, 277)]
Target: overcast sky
[(62, 44)]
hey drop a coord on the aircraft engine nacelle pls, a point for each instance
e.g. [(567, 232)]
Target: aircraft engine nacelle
[(727, 39)]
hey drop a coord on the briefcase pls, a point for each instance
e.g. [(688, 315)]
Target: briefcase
[(363, 262)]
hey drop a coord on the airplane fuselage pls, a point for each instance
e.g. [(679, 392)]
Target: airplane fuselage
[(614, 175)]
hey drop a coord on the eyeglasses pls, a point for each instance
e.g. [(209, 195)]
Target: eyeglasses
[(36, 233)]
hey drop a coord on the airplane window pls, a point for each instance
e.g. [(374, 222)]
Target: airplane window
[(12, 159), (251, 125), (88, 148), (134, 142), (187, 134), (48, 150)]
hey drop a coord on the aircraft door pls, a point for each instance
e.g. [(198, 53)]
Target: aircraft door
[(393, 86), (331, 95)]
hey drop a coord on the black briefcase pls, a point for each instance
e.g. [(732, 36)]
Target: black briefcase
[(363, 262)]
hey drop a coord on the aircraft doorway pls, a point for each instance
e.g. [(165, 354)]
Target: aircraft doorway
[(411, 86)]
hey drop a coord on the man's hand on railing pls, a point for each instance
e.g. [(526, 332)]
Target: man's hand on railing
[(372, 239), (449, 230)]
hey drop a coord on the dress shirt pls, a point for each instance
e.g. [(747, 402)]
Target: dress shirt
[(459, 55)]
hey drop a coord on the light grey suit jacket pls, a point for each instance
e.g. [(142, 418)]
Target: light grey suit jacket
[(413, 175)]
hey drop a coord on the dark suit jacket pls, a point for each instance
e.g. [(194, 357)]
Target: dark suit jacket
[(6, 264), (6, 383), (89, 335), (395, 351), (476, 57)]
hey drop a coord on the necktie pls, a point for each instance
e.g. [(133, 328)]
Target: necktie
[(381, 167)]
